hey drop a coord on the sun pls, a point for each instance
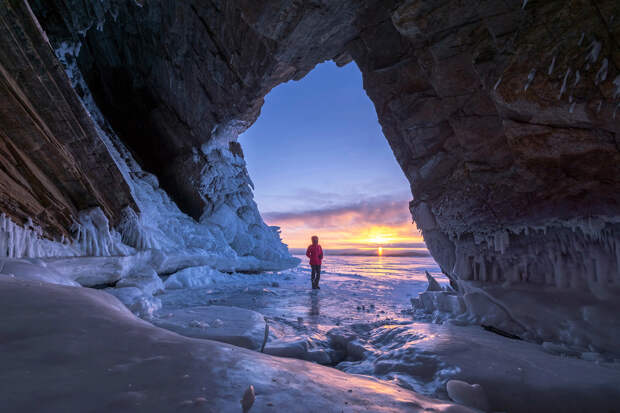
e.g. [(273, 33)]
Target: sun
[(380, 250)]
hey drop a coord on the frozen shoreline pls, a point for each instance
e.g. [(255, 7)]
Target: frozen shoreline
[(364, 325), (360, 323)]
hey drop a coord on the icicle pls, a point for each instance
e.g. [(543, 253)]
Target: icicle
[(563, 89), (497, 83), (483, 271), (572, 107), (524, 4), (530, 79), (601, 75), (577, 78), (581, 39), (551, 66), (617, 84), (595, 50), (600, 104)]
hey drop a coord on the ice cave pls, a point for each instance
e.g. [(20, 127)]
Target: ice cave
[(124, 192)]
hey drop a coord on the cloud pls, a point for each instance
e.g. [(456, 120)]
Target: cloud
[(380, 221), (380, 211)]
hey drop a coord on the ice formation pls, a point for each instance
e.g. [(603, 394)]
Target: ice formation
[(500, 277), (497, 83), (594, 51), (601, 75), (530, 79), (26, 241), (551, 66), (471, 395), (563, 89), (617, 85), (231, 231)]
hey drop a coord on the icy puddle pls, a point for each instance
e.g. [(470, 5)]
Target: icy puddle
[(360, 322)]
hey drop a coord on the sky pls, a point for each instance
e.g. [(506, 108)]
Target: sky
[(321, 165)]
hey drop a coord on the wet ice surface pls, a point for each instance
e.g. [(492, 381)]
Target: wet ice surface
[(361, 312), (380, 287), (361, 322)]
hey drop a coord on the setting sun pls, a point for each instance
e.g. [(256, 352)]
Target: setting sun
[(380, 250)]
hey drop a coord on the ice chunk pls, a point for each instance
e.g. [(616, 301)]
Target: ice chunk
[(142, 305), (194, 277), (433, 285), (145, 279), (233, 325), (27, 270), (471, 395)]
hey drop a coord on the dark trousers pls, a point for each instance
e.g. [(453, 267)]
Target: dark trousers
[(316, 275)]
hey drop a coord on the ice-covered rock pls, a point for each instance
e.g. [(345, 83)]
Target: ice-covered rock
[(233, 325), (433, 285)]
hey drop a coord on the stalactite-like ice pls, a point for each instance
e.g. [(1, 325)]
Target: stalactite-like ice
[(26, 241)]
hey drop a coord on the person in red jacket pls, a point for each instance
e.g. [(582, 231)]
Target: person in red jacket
[(315, 253)]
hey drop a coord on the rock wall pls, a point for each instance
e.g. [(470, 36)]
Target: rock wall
[(503, 117), (502, 114), (52, 162)]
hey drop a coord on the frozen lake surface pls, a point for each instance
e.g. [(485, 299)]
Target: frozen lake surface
[(383, 286), (359, 297), (361, 321)]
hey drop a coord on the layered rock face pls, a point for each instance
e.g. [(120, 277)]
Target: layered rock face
[(52, 162), (502, 115)]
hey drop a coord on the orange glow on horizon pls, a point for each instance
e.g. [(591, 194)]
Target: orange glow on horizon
[(386, 225), (298, 236), (380, 250)]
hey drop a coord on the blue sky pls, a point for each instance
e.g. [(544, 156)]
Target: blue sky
[(318, 147)]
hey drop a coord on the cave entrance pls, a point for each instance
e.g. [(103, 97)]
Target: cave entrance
[(321, 165)]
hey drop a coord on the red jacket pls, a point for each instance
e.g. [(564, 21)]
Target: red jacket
[(315, 253)]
